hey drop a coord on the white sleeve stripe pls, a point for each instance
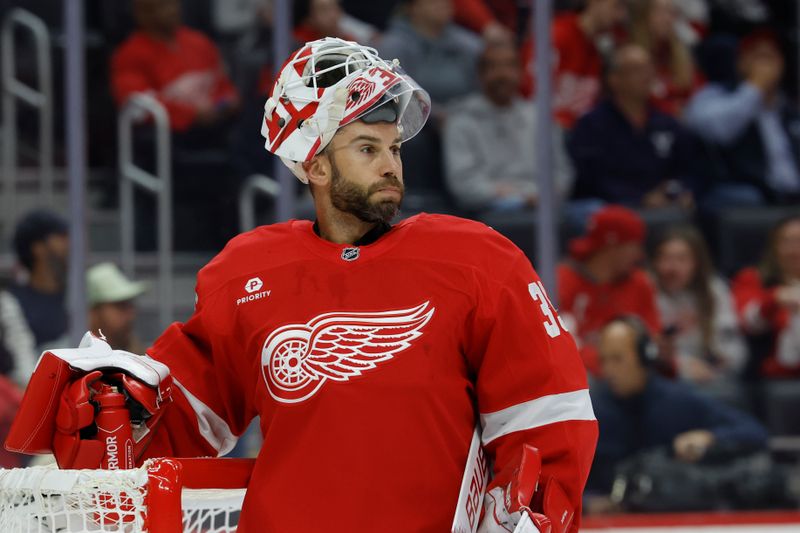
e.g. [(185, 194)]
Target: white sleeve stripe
[(575, 405), (212, 427)]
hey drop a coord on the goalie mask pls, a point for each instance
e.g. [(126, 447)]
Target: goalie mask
[(328, 84)]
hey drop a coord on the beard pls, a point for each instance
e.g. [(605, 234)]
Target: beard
[(59, 268), (349, 197)]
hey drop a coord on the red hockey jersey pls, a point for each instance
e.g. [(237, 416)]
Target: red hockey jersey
[(577, 70), (185, 76), (369, 367), (591, 305), (760, 313)]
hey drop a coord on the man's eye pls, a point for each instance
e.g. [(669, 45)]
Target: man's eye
[(367, 149), (396, 150)]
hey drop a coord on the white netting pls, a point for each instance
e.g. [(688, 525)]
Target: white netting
[(211, 510), (46, 499)]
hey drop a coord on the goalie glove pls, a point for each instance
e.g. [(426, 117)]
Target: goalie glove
[(57, 414), (526, 503)]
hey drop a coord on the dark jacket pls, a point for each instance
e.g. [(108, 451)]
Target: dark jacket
[(745, 160), (618, 163), (654, 418)]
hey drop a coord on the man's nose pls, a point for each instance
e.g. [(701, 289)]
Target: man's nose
[(390, 165)]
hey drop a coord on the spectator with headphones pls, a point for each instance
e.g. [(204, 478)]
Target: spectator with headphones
[(637, 409)]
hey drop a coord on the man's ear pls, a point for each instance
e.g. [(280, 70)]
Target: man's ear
[(318, 170)]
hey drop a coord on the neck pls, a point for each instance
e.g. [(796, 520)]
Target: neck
[(42, 280), (791, 278), (771, 98), (158, 35), (427, 29), (598, 268), (339, 227), (503, 103), (586, 24), (634, 110)]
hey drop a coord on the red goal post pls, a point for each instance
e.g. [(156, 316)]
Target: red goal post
[(166, 495)]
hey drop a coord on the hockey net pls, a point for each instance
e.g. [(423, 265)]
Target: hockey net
[(163, 496)]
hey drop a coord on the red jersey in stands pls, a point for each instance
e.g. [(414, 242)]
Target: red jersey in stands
[(760, 313), (590, 305), (369, 367), (304, 33), (578, 67), (668, 96), (475, 15), (10, 399), (186, 75)]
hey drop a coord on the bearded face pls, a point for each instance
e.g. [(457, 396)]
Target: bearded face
[(350, 197)]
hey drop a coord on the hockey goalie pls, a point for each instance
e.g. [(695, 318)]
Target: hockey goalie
[(370, 350)]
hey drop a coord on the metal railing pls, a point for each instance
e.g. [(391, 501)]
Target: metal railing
[(253, 185), (158, 184), (42, 99)]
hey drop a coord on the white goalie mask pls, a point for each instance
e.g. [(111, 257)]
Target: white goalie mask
[(329, 83)]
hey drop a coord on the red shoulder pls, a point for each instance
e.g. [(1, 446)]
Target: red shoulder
[(194, 39), (565, 29), (137, 44), (257, 246), (640, 278), (748, 276), (461, 239), (567, 270)]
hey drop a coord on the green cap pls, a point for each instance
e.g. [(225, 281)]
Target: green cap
[(105, 283)]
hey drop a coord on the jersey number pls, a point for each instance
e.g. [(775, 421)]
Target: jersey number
[(551, 319)]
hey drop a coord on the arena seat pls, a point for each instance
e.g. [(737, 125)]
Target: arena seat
[(740, 235), (518, 227), (782, 403), (659, 220)]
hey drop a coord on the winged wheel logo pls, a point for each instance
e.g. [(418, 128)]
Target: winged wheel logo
[(297, 359)]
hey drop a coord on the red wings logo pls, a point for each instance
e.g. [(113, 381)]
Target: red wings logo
[(298, 359), (358, 92)]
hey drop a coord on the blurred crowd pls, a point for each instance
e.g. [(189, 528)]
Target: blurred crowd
[(669, 116)]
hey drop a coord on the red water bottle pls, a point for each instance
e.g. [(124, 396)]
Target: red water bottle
[(114, 429)]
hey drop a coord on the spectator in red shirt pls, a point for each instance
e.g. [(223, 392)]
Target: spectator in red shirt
[(654, 27), (578, 63), (179, 66), (10, 398), (495, 22), (601, 279), (768, 301), (315, 19), (183, 69)]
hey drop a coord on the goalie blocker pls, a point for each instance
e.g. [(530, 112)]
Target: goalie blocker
[(524, 502), (58, 412)]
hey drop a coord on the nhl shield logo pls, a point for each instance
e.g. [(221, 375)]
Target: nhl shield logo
[(350, 254)]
